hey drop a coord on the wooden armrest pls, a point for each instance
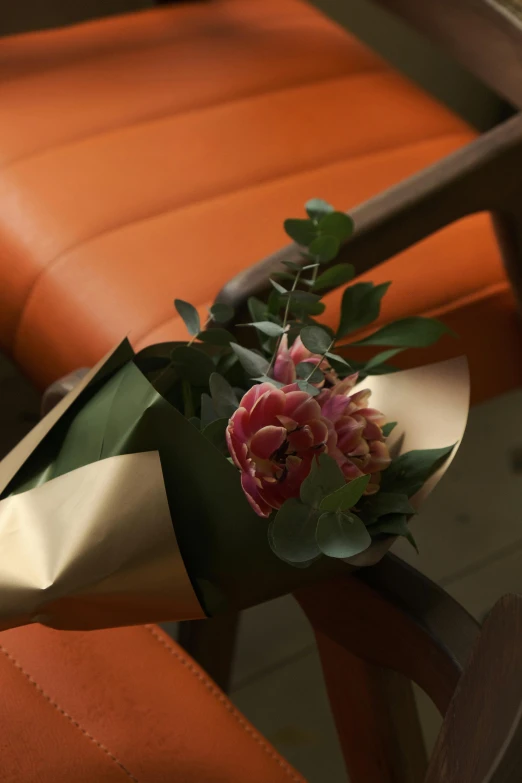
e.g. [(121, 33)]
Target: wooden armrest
[(483, 176), (394, 617), (481, 738)]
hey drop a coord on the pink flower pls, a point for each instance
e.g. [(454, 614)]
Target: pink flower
[(272, 438), (287, 360), (359, 446)]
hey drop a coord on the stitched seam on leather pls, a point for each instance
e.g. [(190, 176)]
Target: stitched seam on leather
[(66, 715), (206, 200), (226, 704), (165, 116)]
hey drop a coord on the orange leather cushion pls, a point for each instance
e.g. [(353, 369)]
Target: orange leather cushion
[(118, 706), (155, 155)]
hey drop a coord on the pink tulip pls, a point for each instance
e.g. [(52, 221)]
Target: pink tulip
[(287, 359), (360, 447), (272, 438)]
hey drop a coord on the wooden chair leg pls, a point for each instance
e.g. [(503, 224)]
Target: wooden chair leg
[(212, 644), (376, 716)]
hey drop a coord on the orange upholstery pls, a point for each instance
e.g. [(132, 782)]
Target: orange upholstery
[(118, 706), (155, 155)]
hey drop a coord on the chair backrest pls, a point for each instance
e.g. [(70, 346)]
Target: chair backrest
[(484, 35), (390, 625)]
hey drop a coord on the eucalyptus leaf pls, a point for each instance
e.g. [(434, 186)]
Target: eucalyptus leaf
[(310, 372), (278, 287), (292, 265), (216, 336), (223, 395), (215, 433), (221, 312), (301, 309), (307, 387), (267, 327), (388, 428), (208, 411), (414, 332), (292, 532), (190, 316), (338, 225), (192, 364), (324, 478), (253, 364), (342, 535), (256, 308), (380, 358), (266, 379), (303, 296), (317, 208), (324, 248), (361, 304), (410, 471), (274, 303), (301, 231), (335, 358), (316, 339), (335, 276), (346, 497)]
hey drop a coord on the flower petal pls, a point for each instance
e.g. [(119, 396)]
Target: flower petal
[(267, 440)]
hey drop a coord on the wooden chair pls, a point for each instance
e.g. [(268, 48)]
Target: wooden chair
[(129, 704)]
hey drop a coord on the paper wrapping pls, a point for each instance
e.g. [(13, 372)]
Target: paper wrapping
[(98, 546)]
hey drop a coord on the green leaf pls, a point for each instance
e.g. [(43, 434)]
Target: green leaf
[(195, 422), (380, 358), (324, 248), (190, 316), (208, 412), (274, 303), (386, 503), (266, 379), (267, 327), (410, 471), (301, 309), (335, 276), (342, 535), (346, 497), (317, 208), (316, 339), (324, 478), (224, 398), (338, 225), (301, 231), (292, 532), (339, 359), (192, 364), (216, 336), (303, 296), (310, 371), (215, 433), (221, 312), (395, 525), (256, 308), (307, 387), (252, 362), (414, 332), (361, 304), (292, 265), (388, 428), (279, 288)]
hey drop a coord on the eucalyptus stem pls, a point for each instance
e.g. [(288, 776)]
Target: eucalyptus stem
[(285, 321), (323, 357)]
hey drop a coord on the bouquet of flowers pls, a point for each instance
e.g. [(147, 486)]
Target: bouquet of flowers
[(199, 477)]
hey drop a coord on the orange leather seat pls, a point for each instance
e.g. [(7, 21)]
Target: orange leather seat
[(118, 706), (156, 155)]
